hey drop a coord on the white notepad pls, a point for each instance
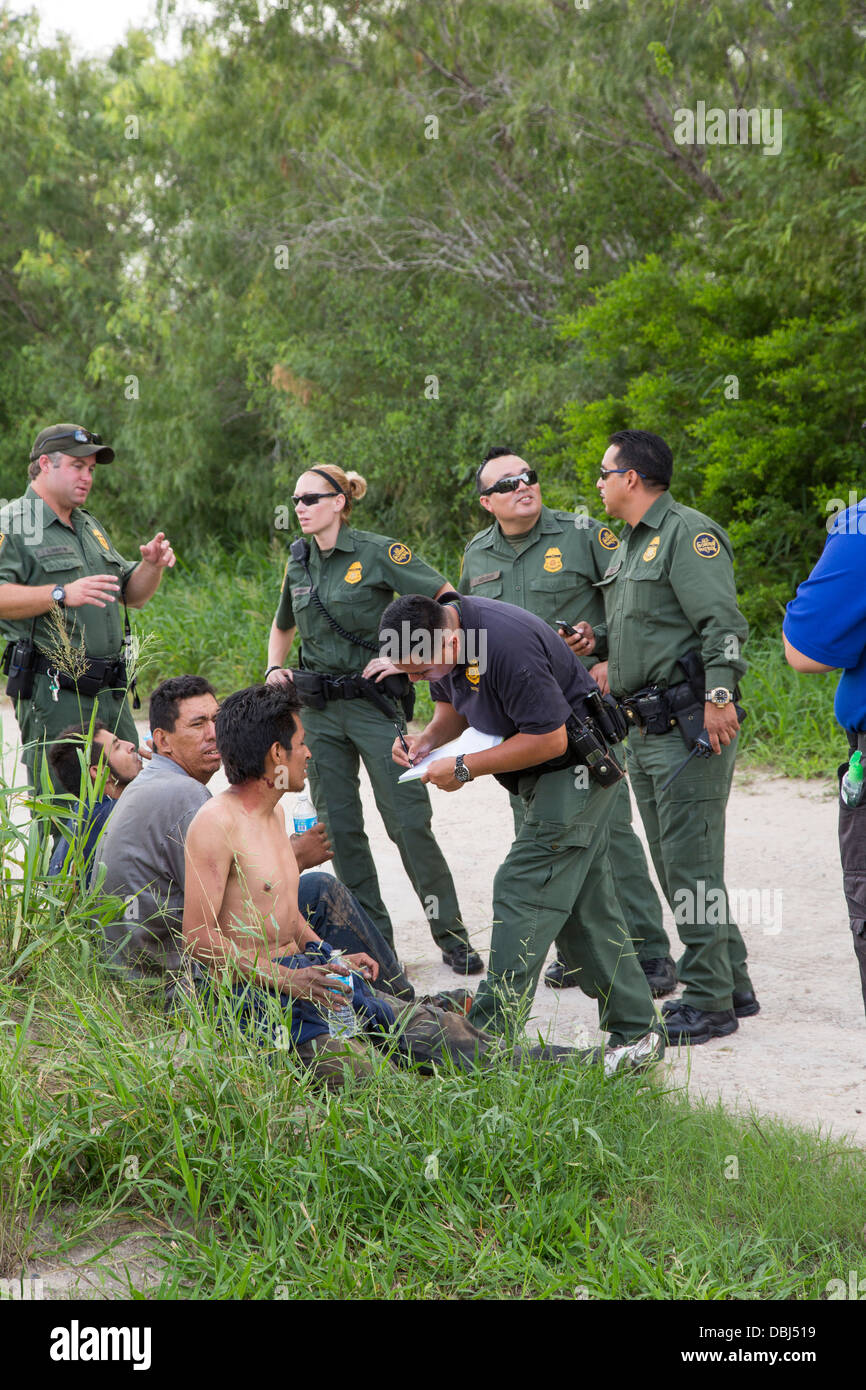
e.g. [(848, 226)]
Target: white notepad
[(470, 741)]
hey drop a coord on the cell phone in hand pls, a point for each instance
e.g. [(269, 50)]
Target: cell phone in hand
[(566, 627)]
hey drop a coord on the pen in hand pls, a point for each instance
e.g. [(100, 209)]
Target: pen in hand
[(403, 744)]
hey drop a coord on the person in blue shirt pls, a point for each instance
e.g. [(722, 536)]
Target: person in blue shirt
[(103, 749), (825, 630)]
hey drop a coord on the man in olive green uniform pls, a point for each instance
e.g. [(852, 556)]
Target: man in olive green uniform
[(548, 562), (669, 589), (60, 582), (355, 581)]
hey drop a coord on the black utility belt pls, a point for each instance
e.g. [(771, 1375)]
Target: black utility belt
[(590, 733), (23, 662), (655, 710), (316, 689), (99, 673)]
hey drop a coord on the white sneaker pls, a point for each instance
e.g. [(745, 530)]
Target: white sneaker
[(633, 1056)]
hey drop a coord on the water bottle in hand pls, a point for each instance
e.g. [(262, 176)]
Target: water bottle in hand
[(304, 813), (342, 1022)]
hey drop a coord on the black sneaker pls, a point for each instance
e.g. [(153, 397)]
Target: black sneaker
[(463, 960), (685, 1023), (661, 975), (745, 1003), (556, 976)]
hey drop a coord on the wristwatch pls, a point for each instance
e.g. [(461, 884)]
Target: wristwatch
[(59, 594), (461, 771), (720, 696)]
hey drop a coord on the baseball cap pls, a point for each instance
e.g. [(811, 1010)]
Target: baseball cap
[(71, 439)]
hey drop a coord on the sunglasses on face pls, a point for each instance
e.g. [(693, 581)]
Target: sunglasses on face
[(606, 472), (512, 483), (310, 499)]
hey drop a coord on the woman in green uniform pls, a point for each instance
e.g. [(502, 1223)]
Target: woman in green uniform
[(337, 583)]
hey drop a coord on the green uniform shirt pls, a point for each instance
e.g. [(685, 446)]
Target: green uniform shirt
[(36, 547), (670, 589), (563, 557), (356, 582)]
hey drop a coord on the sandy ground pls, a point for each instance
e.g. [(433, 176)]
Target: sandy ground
[(803, 1058)]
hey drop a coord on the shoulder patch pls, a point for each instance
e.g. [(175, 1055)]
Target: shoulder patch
[(2, 539), (399, 553), (354, 574), (553, 559), (706, 544), (607, 538)]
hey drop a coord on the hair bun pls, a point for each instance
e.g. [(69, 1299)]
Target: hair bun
[(356, 486)]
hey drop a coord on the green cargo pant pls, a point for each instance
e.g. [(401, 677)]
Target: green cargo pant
[(555, 884), (41, 719), (339, 736), (685, 827), (635, 894)]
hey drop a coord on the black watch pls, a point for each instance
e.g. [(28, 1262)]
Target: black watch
[(461, 771), (58, 594)]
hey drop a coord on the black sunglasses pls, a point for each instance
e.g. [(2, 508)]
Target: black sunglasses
[(512, 483), (310, 499), (77, 437)]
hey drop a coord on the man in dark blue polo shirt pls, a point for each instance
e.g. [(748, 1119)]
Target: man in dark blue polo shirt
[(501, 670), (825, 630)]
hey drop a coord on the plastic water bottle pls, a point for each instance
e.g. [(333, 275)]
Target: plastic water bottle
[(304, 813), (342, 1022), (852, 783)]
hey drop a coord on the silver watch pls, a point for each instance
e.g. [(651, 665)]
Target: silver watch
[(719, 696), (461, 771)]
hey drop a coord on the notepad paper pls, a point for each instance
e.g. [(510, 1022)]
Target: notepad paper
[(470, 741)]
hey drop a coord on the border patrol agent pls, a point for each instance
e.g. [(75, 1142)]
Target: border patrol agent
[(56, 558), (503, 671), (548, 563), (669, 591), (334, 592)]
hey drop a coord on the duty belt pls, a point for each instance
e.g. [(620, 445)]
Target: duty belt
[(316, 689), (99, 673), (654, 708)]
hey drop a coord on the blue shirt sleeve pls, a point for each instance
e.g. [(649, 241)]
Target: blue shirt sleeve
[(826, 621)]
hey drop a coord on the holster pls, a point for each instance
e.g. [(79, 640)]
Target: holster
[(310, 688), (19, 661)]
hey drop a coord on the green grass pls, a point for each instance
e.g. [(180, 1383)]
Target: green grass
[(532, 1182), (213, 613), (257, 1185)]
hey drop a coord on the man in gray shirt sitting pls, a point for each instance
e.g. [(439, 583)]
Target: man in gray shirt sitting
[(142, 848)]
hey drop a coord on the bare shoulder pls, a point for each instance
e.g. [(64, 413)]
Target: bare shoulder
[(213, 819)]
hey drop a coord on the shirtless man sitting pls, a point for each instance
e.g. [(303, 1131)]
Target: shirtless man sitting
[(241, 914)]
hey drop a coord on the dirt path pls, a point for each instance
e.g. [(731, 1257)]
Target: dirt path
[(803, 1057)]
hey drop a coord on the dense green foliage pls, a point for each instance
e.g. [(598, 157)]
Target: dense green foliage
[(389, 234)]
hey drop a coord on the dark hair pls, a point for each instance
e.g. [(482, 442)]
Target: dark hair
[(165, 700), (249, 722), (420, 614), (63, 754), (646, 453), (496, 453)]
